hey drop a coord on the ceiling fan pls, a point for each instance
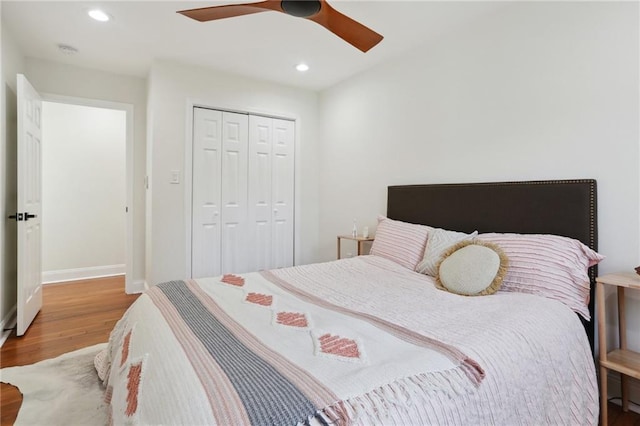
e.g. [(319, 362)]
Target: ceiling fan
[(318, 11)]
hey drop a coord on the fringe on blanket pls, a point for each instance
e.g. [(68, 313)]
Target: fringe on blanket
[(400, 401)]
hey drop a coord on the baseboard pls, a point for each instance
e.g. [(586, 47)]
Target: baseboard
[(50, 277), (615, 389), (138, 286), (8, 322), (8, 319), (4, 335)]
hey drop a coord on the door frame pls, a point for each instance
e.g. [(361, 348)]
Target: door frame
[(130, 285), (187, 177)]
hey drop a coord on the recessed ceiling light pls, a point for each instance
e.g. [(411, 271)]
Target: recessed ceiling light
[(67, 49), (99, 15), (302, 67)]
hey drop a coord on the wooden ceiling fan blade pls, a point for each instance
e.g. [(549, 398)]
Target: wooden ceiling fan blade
[(319, 11), (351, 31), (212, 13)]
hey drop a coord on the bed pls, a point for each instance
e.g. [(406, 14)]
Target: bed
[(368, 340), (558, 207)]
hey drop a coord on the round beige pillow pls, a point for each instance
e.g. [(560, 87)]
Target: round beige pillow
[(472, 268)]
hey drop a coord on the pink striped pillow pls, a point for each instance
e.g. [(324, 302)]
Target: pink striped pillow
[(548, 265), (400, 242)]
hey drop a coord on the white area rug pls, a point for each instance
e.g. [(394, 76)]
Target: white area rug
[(61, 391)]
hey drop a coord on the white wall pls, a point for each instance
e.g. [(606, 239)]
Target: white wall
[(540, 90), (67, 80), (83, 191), (170, 86), (12, 64)]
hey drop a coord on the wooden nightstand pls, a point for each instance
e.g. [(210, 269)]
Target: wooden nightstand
[(359, 239), (622, 360)]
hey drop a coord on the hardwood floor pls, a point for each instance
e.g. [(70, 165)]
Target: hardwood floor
[(82, 313), (74, 315), (617, 417)]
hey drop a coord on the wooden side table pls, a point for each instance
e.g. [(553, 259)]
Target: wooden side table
[(359, 239), (622, 360)]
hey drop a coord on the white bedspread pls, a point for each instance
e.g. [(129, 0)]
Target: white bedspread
[(360, 340)]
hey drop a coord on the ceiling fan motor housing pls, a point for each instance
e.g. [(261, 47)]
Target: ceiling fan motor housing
[(301, 8)]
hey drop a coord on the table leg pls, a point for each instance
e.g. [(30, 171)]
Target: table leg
[(622, 330), (602, 346), (603, 397), (338, 256)]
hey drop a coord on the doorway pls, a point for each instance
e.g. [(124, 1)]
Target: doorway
[(86, 190)]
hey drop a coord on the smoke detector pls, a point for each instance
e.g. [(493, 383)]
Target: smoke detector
[(67, 49)]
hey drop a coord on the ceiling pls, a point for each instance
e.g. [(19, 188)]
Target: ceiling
[(264, 45)]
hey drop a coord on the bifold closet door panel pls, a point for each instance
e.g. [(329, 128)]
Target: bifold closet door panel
[(243, 193), (282, 190), (233, 180), (260, 205), (207, 166)]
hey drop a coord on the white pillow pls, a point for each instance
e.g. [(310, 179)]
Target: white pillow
[(439, 241)]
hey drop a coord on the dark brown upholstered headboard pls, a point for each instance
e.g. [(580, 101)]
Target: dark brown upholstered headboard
[(560, 207)]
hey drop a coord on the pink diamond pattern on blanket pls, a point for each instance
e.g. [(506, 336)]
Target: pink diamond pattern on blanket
[(341, 346), (125, 348), (133, 385), (259, 299), (233, 280), (292, 319)]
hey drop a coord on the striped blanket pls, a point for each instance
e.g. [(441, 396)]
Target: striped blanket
[(355, 341)]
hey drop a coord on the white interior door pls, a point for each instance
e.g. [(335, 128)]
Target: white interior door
[(29, 204), (260, 208), (282, 184), (207, 168), (234, 192)]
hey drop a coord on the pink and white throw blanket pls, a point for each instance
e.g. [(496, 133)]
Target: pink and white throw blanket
[(361, 341)]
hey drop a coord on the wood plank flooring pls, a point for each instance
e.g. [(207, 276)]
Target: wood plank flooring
[(617, 417), (74, 315), (82, 313)]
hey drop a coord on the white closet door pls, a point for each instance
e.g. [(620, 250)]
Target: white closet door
[(282, 189), (260, 203), (207, 163), (234, 192)]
